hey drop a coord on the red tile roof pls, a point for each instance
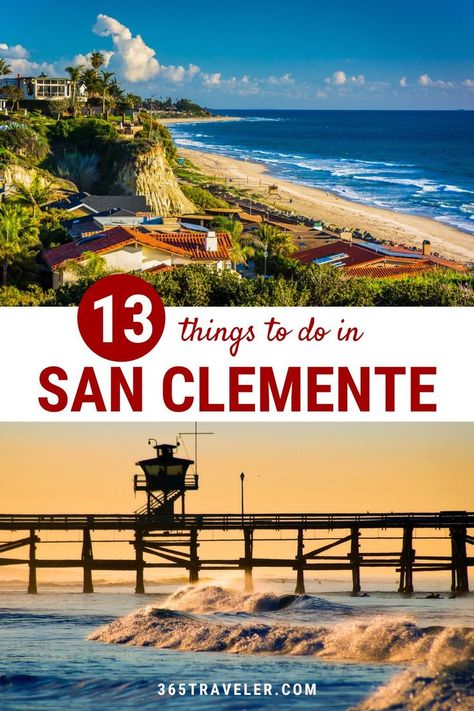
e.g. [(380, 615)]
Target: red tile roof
[(160, 268), (388, 271), (193, 245), (190, 245), (356, 254), (440, 261)]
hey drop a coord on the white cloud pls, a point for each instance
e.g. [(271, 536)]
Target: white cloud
[(283, 80), (13, 52), (136, 60), (248, 85), (17, 57), (426, 81), (213, 79), (179, 74), (469, 83), (320, 94), (403, 82), (84, 59), (340, 78)]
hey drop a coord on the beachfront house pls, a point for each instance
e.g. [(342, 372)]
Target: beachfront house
[(128, 250), (44, 88), (374, 260), (84, 203)]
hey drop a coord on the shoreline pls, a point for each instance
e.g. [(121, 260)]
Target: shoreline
[(401, 228), (198, 119)]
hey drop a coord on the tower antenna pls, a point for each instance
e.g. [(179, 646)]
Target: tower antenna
[(196, 434)]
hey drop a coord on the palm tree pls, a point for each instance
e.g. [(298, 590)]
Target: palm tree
[(39, 192), (89, 77), (75, 76), (273, 240), (91, 81), (105, 83), (97, 60), (242, 248), (4, 68), (91, 267), (18, 234)]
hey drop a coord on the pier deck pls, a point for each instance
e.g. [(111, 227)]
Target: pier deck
[(172, 541)]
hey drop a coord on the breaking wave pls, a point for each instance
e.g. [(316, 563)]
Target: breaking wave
[(440, 676), (415, 689), (212, 598), (381, 639)]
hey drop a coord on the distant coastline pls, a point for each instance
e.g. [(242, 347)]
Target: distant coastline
[(395, 168), (401, 228)]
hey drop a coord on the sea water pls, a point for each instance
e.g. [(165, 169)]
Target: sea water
[(419, 162), (111, 650)]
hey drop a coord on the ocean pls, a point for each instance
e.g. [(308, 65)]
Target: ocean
[(418, 162), (111, 650)]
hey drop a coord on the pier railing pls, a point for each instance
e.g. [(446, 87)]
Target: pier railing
[(232, 521)]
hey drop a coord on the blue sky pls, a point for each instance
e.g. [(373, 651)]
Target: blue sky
[(343, 54)]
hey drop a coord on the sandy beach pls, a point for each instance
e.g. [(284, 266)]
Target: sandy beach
[(312, 202)]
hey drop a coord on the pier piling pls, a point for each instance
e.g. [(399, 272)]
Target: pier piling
[(355, 560), (300, 562), (407, 559), (32, 584), (87, 558), (139, 582), (193, 557), (248, 555), (460, 580)]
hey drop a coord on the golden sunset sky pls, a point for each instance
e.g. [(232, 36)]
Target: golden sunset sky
[(88, 468)]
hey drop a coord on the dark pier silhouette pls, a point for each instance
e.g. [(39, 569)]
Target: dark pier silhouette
[(164, 538)]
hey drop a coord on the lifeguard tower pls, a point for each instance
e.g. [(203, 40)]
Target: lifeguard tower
[(165, 479)]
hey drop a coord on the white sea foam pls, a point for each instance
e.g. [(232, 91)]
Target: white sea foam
[(378, 639), (213, 598), (259, 119), (418, 690)]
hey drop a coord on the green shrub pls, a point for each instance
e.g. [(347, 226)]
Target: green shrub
[(33, 296), (51, 230), (313, 285), (202, 198), (84, 134), (155, 132), (22, 141)]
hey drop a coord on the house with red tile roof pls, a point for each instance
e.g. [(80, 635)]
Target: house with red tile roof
[(126, 250), (374, 260)]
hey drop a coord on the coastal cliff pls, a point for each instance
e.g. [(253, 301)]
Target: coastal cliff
[(147, 172), (18, 174)]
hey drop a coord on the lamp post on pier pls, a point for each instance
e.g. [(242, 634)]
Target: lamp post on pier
[(242, 479)]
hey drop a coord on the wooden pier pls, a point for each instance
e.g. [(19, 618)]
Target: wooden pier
[(162, 538), (171, 541)]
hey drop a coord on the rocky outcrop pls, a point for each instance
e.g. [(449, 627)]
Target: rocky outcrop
[(16, 174), (147, 172)]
